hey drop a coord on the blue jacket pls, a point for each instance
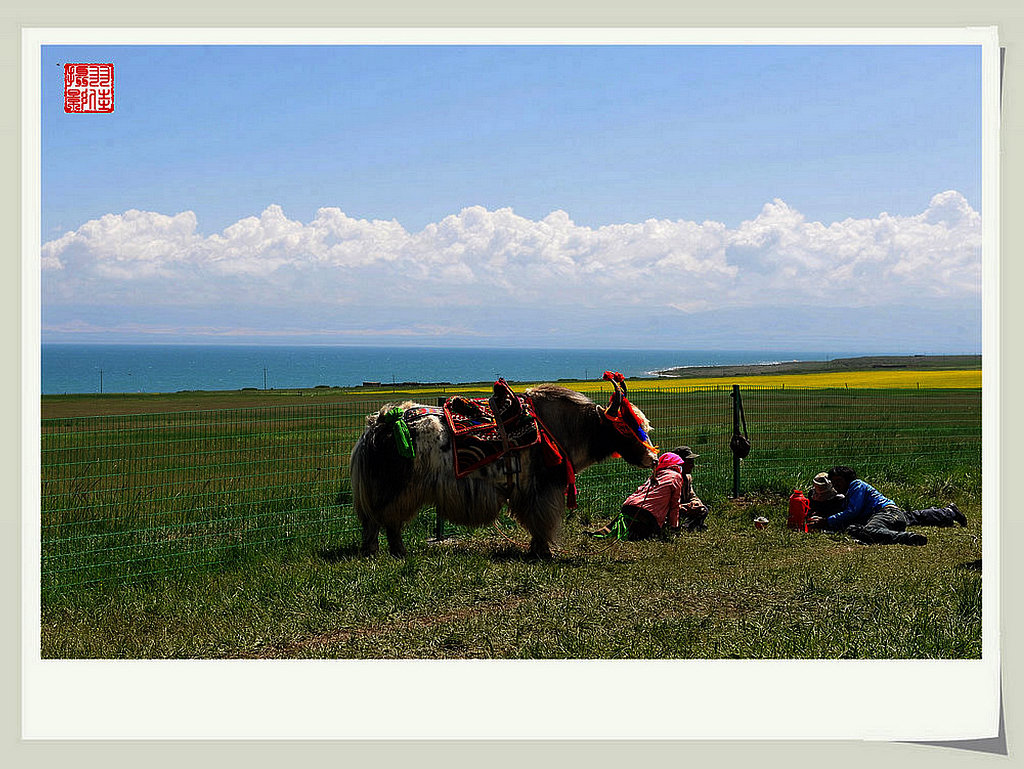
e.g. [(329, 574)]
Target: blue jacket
[(862, 501)]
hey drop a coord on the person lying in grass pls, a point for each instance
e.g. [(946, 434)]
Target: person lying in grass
[(872, 518), (662, 502)]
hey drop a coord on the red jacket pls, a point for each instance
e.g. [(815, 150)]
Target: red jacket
[(660, 496)]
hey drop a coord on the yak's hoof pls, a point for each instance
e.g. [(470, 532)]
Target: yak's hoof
[(540, 552), (369, 549), (395, 545)]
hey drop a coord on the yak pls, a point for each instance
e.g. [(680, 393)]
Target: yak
[(406, 459)]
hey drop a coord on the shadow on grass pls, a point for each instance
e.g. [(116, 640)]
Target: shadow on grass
[(341, 553), (509, 552), (512, 554), (971, 565)]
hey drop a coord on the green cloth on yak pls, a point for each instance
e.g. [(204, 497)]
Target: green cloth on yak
[(403, 440)]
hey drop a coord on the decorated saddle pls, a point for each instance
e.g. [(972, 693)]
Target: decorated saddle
[(486, 429)]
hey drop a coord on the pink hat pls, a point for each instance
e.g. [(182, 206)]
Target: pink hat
[(668, 459)]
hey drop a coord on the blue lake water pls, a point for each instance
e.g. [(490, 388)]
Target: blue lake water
[(69, 368)]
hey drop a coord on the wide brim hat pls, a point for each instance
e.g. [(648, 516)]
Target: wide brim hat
[(685, 452), (823, 489)]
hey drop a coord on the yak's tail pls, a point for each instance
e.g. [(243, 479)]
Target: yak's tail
[(382, 429), (377, 466)]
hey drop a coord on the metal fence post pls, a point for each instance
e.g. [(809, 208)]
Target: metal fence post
[(735, 431)]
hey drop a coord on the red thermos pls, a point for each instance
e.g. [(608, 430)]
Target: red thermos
[(799, 507)]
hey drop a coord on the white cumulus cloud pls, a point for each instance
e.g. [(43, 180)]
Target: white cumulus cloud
[(480, 258)]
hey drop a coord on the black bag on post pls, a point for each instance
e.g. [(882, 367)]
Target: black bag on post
[(740, 444)]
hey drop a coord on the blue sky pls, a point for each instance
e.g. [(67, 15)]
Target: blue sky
[(274, 186)]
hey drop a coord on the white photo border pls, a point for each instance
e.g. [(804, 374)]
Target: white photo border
[(436, 700)]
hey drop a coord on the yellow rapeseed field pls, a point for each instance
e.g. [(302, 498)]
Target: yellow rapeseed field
[(853, 379), (856, 379)]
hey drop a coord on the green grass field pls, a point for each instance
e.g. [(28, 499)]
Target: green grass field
[(729, 592), (213, 534)]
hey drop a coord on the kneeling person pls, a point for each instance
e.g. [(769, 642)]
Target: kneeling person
[(653, 505)]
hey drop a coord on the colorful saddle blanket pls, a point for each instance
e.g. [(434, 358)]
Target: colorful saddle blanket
[(479, 437), (486, 429)]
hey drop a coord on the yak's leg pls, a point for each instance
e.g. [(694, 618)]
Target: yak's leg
[(395, 544), (543, 519), (371, 532)]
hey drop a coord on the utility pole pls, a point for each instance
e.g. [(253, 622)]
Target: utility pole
[(264, 377), (101, 381)]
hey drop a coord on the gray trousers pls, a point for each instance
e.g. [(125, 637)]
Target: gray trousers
[(889, 525)]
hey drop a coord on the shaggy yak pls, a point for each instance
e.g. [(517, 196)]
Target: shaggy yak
[(410, 456)]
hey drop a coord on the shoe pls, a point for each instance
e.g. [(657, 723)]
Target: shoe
[(913, 538), (857, 534), (957, 515)]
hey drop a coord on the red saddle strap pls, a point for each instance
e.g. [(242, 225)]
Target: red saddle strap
[(554, 455)]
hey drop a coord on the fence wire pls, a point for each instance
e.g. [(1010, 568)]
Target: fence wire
[(128, 496)]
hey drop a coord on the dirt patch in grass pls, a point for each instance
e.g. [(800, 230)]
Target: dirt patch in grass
[(320, 645)]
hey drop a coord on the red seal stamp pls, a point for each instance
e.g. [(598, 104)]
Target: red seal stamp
[(88, 87)]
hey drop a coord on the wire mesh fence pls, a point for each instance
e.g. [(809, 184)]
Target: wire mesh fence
[(880, 433), (134, 495), (129, 496)]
